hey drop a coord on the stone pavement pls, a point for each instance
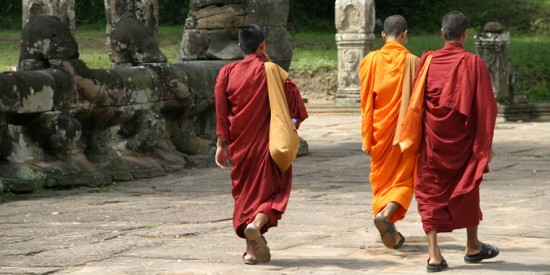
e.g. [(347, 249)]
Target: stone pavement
[(181, 224)]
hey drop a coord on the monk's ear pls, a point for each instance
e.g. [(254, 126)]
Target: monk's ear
[(383, 34), (442, 33), (465, 34)]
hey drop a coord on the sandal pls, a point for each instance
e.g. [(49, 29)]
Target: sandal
[(249, 261), (437, 267), (252, 234), (401, 241), (487, 252), (388, 232)]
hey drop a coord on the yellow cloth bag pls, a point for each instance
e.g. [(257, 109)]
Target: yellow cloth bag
[(283, 137)]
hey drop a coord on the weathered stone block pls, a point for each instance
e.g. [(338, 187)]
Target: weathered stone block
[(216, 17), (197, 4), (278, 48), (210, 44), (45, 37), (19, 178), (172, 83), (26, 92), (132, 43), (267, 12)]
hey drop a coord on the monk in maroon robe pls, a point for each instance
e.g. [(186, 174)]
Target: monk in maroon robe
[(458, 123), (260, 190)]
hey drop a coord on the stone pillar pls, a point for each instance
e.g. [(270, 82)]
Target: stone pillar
[(146, 11), (492, 46), (355, 21), (212, 29), (64, 9)]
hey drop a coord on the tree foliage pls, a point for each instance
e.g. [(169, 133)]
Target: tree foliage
[(424, 15), (531, 16), (10, 17)]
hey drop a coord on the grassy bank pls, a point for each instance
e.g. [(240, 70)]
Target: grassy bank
[(314, 62), (528, 57)]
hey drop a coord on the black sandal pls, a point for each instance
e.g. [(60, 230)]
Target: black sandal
[(487, 252), (249, 261), (437, 267), (401, 242)]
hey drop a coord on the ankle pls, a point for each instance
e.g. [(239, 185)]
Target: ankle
[(258, 225), (435, 260), (473, 249)]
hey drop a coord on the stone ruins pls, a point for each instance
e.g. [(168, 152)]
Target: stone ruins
[(63, 124), (492, 46), (354, 21)]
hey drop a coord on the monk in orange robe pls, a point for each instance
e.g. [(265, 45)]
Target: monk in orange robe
[(260, 190), (386, 77), (458, 123)]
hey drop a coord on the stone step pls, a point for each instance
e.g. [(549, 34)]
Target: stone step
[(332, 108)]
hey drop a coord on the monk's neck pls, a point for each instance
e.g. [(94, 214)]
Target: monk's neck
[(393, 40), (454, 43)]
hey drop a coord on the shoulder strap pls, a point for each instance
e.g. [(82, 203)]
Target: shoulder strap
[(411, 63), (411, 132)]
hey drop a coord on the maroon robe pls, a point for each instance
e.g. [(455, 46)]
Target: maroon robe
[(242, 119), (458, 122)]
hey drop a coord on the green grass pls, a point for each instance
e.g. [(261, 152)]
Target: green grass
[(93, 49), (528, 55), (530, 62), (313, 51), (9, 49)]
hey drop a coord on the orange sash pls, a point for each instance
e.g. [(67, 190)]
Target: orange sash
[(408, 78), (283, 137), (411, 129)]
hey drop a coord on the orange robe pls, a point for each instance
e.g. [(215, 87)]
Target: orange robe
[(386, 77)]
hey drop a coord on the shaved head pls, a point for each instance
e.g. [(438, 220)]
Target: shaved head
[(250, 38), (453, 25), (394, 25)]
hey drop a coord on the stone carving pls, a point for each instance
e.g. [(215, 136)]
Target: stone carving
[(70, 125), (351, 63), (145, 11), (348, 14), (492, 46), (63, 9), (44, 38), (354, 22), (212, 28), (132, 44), (63, 124)]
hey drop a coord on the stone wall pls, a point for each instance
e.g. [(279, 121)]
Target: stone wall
[(63, 124), (212, 28)]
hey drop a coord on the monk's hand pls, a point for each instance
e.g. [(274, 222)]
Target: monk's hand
[(491, 154), (222, 157)]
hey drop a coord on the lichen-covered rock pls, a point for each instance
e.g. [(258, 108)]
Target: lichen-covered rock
[(216, 17), (212, 29), (493, 27), (198, 4), (44, 37), (131, 43)]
